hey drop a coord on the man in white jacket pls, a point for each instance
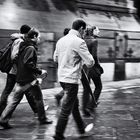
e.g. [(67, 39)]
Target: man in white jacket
[(71, 53)]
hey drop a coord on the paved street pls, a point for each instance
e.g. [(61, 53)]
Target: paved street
[(116, 118)]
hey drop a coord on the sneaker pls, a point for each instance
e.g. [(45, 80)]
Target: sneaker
[(46, 107), (92, 107), (59, 138), (88, 131), (47, 121), (5, 125)]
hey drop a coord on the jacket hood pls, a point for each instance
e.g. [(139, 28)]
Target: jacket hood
[(27, 43), (16, 36)]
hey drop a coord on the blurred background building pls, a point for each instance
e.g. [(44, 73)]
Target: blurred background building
[(118, 20)]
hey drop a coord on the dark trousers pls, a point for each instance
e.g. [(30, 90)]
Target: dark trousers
[(96, 78), (60, 95), (70, 105), (98, 86), (10, 83)]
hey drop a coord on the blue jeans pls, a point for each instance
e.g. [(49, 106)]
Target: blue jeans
[(10, 83), (11, 80), (17, 97), (70, 105)]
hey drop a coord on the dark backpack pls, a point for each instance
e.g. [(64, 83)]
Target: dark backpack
[(5, 58)]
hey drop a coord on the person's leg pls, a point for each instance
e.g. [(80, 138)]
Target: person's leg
[(11, 106), (7, 90), (98, 88), (36, 91), (85, 97), (77, 117), (84, 130), (31, 101), (71, 91), (59, 96)]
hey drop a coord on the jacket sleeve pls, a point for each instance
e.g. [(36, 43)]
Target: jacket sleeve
[(85, 55), (29, 60), (94, 51), (55, 56)]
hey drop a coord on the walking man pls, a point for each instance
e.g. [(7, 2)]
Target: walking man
[(70, 53), (16, 38), (27, 72), (60, 95)]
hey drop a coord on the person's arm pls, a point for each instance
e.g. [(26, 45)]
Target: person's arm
[(95, 55), (94, 51), (85, 55), (55, 56), (29, 61)]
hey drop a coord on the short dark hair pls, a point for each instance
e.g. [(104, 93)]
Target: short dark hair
[(89, 31), (33, 33), (66, 31), (24, 29), (77, 24)]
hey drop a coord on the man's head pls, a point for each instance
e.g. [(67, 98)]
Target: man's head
[(24, 29), (80, 26), (33, 35), (66, 31)]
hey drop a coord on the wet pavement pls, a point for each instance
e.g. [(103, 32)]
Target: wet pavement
[(117, 117)]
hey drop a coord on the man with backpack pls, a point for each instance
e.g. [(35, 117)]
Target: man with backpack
[(27, 72), (14, 45)]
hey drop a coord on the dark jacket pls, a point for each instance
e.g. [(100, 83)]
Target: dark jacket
[(92, 45), (27, 60)]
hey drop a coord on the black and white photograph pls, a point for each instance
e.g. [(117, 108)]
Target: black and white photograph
[(69, 69)]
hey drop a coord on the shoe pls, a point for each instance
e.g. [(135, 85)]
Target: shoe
[(59, 138), (6, 125), (92, 108), (89, 127), (88, 131), (47, 121), (57, 100), (46, 107)]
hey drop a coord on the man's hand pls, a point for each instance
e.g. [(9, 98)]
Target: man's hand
[(44, 73), (39, 80), (34, 82)]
